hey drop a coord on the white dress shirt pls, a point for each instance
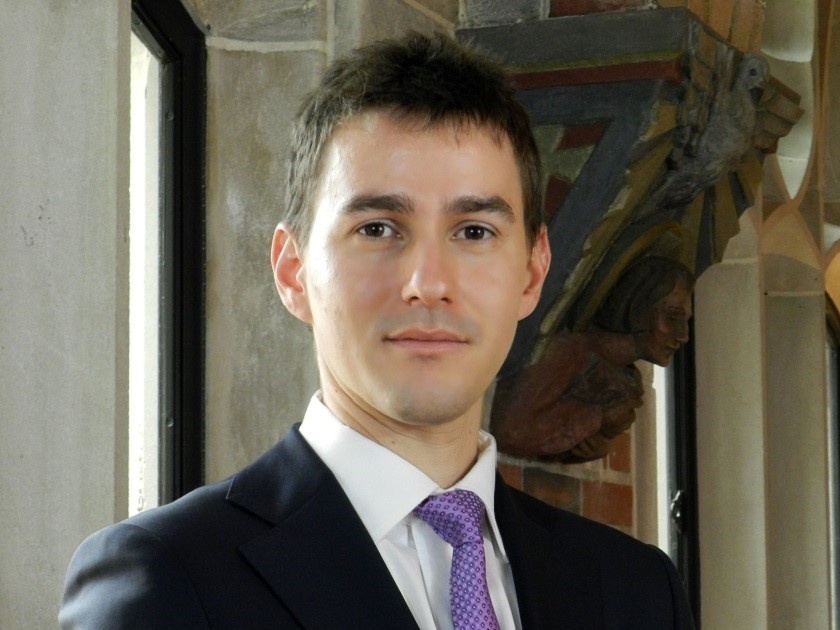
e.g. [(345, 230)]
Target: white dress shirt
[(384, 490)]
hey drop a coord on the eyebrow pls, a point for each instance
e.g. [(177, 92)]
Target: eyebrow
[(402, 204), (470, 203)]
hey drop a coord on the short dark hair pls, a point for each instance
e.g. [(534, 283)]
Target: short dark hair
[(430, 80), (628, 305)]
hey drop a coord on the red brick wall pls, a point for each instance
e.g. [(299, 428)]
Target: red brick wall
[(601, 490)]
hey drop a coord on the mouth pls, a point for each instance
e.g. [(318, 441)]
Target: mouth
[(427, 341), (672, 348)]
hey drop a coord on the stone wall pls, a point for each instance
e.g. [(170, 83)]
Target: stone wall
[(64, 89), (739, 22)]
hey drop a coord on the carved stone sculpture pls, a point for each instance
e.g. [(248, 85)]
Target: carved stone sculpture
[(706, 150), (652, 132), (584, 389)]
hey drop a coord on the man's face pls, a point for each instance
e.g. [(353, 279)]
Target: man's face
[(668, 325), (416, 269)]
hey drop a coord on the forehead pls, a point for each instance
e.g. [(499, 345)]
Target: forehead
[(678, 297), (379, 148), (396, 127)]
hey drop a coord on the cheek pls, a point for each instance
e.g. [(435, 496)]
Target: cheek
[(322, 280), (363, 284), (349, 290), (661, 328), (498, 297)]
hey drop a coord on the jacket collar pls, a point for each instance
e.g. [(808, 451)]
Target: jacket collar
[(291, 489), (318, 558)]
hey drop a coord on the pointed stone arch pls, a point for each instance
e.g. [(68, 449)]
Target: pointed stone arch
[(788, 44)]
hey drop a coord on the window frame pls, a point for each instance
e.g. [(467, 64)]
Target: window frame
[(832, 343), (685, 469), (170, 33)]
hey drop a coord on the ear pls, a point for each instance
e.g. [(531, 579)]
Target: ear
[(537, 269), (289, 276)]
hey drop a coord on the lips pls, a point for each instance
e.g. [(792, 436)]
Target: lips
[(427, 341), (417, 334)]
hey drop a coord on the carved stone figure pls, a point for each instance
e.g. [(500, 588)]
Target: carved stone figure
[(710, 149), (584, 389), (652, 132)]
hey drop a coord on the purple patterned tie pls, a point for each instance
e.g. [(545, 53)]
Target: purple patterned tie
[(456, 517)]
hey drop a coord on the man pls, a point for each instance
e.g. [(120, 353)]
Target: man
[(412, 244)]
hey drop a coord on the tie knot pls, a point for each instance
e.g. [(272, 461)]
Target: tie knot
[(455, 516)]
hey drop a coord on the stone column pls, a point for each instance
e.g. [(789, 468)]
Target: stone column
[(796, 449), (730, 437), (64, 97)]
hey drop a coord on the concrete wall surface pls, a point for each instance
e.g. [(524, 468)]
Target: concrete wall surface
[(63, 291), (260, 370)]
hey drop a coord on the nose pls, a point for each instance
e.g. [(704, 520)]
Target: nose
[(429, 272), (681, 330)]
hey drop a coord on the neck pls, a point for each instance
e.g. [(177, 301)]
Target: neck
[(445, 451), (618, 348)]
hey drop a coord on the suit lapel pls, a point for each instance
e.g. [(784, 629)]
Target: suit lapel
[(318, 559), (555, 586)]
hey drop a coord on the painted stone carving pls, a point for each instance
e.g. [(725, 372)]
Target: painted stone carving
[(584, 389), (652, 133), (707, 149)]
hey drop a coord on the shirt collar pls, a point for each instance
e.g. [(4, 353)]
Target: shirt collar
[(382, 487)]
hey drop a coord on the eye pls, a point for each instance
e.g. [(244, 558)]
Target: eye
[(376, 230), (474, 232)]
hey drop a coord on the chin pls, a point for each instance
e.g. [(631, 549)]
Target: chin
[(661, 360), (433, 409)]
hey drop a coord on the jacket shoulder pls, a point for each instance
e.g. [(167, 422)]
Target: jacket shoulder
[(127, 576), (577, 531), (637, 584), (182, 561)]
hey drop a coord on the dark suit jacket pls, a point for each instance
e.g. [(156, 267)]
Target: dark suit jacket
[(279, 545)]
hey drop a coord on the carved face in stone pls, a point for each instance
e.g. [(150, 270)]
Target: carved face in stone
[(668, 326)]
